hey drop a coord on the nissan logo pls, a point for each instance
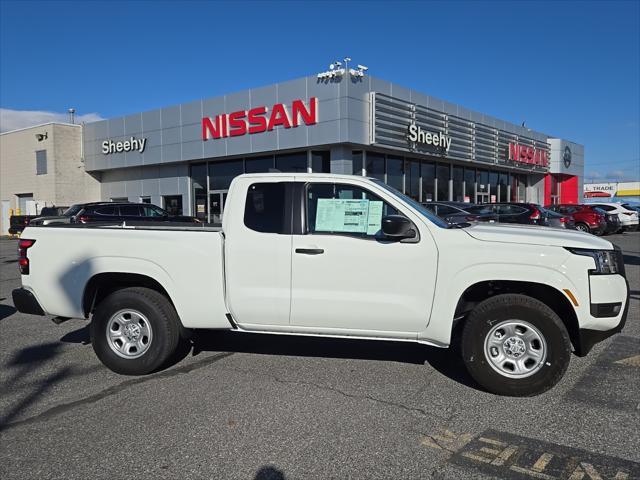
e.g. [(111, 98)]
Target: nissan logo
[(566, 157)]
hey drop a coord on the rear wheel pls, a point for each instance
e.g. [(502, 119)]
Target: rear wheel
[(134, 331), (515, 345), (583, 227)]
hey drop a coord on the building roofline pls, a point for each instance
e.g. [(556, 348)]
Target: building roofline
[(43, 125)]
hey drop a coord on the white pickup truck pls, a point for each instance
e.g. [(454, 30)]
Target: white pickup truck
[(333, 256)]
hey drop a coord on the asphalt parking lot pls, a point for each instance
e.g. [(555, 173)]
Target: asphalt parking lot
[(275, 407)]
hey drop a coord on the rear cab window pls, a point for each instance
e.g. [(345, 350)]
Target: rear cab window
[(264, 209)]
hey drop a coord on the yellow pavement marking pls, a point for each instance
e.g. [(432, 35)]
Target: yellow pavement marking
[(630, 361)]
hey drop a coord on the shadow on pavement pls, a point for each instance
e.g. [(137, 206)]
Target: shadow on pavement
[(445, 361), (269, 473), (81, 336), (631, 259), (6, 311), (21, 365)]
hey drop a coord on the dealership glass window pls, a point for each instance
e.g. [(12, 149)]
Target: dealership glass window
[(503, 182), (493, 186), (412, 179), (264, 208), (41, 162), (120, 199), (482, 186), (172, 204), (346, 210), (145, 199), (258, 164), (356, 159), (321, 161), (458, 179), (522, 188), (375, 165), (395, 171), (428, 173), (199, 190), (292, 162), (221, 173), (469, 185), (442, 175)]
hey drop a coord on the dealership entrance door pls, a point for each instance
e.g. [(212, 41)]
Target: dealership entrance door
[(217, 199)]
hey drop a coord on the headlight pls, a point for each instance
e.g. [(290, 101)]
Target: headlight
[(606, 260)]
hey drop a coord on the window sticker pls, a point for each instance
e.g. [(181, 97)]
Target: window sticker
[(374, 218), (340, 215)]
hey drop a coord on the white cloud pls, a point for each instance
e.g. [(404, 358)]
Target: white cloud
[(616, 174), (14, 119)]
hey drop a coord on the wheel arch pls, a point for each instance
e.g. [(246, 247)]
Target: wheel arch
[(102, 284), (549, 295)]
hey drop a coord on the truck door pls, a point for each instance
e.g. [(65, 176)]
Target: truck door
[(257, 230), (345, 275)]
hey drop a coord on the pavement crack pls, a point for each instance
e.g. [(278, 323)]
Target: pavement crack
[(113, 390), (389, 403)]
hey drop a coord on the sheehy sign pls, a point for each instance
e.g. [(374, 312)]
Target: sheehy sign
[(109, 146), (260, 119), (526, 154), (417, 135)]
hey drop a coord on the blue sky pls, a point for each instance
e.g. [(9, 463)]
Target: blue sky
[(570, 69)]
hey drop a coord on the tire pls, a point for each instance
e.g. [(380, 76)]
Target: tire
[(583, 227), (542, 335), (138, 313)]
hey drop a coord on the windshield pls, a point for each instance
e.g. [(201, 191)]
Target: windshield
[(72, 210), (418, 206)]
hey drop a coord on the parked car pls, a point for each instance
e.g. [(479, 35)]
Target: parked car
[(523, 213), (557, 220), (126, 212), (333, 256), (613, 221), (456, 212), (587, 218), (61, 216), (17, 223), (628, 218)]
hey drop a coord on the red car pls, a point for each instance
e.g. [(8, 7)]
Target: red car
[(587, 218)]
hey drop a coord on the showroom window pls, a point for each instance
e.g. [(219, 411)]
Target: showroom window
[(442, 174), (493, 185), (199, 190), (292, 162), (482, 185), (428, 181), (264, 208), (345, 210), (356, 158), (375, 165), (395, 172), (412, 179), (321, 161), (221, 173), (41, 162), (470, 185), (258, 164), (172, 204), (458, 179), (503, 183)]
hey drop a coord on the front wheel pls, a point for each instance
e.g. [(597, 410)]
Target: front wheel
[(134, 331), (583, 227), (515, 345)]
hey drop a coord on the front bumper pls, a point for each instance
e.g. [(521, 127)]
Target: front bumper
[(602, 295), (26, 302)]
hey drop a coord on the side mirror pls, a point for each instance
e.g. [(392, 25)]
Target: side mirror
[(398, 227)]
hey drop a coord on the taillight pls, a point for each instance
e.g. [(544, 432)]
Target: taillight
[(563, 219), (535, 215), (83, 219), (23, 261)]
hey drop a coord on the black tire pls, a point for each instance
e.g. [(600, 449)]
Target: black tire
[(583, 227), (492, 312), (164, 324)]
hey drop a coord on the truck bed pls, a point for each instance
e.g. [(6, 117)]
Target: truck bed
[(186, 261)]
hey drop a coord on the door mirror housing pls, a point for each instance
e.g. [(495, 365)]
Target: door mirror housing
[(398, 227)]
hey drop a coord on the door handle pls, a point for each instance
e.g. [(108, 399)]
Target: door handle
[(310, 251)]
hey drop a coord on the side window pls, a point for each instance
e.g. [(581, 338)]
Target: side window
[(264, 208), (510, 210), (152, 211), (345, 209), (130, 210), (106, 210)]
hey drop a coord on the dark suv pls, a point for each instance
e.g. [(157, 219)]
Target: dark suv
[(123, 212), (527, 213)]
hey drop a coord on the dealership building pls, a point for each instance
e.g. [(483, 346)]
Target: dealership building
[(183, 157)]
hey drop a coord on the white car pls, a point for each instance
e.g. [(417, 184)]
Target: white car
[(333, 256), (628, 217)]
